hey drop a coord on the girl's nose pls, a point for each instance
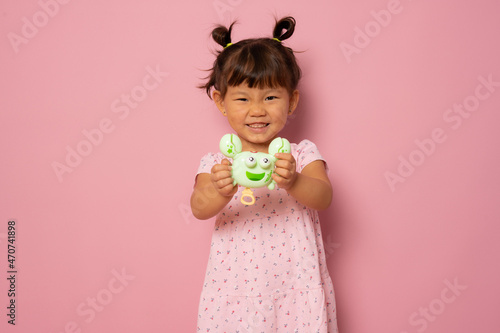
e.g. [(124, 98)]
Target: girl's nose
[(257, 110)]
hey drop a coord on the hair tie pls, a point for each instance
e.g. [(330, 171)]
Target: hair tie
[(277, 39)]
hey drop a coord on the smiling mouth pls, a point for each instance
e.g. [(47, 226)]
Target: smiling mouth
[(258, 125), (255, 176)]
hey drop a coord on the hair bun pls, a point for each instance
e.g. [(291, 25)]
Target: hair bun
[(287, 24), (222, 35)]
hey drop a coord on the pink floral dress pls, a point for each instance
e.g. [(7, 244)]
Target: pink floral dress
[(267, 271)]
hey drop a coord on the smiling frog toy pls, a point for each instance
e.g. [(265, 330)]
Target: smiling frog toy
[(252, 169)]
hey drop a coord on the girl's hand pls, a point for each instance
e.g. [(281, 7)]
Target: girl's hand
[(222, 180), (285, 172)]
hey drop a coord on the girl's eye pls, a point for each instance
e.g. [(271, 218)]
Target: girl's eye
[(242, 99), (250, 162), (265, 163), (270, 98)]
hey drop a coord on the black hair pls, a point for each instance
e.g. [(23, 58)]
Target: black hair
[(258, 62)]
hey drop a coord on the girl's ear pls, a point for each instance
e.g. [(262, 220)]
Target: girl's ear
[(219, 101), (294, 101)]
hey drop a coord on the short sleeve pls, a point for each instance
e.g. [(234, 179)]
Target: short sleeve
[(306, 152), (208, 161)]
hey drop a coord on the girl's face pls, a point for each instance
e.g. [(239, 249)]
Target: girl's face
[(257, 115)]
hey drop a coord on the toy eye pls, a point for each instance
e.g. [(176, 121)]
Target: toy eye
[(250, 162), (265, 163)]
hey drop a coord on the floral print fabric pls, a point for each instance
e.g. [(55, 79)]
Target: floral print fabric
[(266, 270)]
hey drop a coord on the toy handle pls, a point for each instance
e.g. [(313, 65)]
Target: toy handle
[(247, 193)]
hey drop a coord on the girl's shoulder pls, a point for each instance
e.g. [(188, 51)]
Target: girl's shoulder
[(209, 160), (304, 145), (305, 152)]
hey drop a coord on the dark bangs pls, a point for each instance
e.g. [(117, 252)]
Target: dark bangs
[(260, 64)]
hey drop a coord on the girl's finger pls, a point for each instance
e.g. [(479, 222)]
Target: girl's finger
[(284, 173), (219, 168), (284, 156), (221, 175)]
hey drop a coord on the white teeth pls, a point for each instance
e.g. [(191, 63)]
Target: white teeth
[(257, 125)]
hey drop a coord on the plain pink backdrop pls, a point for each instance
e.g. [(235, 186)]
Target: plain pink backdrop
[(112, 246)]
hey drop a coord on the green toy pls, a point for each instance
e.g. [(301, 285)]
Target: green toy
[(252, 169)]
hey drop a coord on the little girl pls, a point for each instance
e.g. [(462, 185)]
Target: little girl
[(267, 270)]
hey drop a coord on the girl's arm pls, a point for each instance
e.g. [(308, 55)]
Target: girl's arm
[(311, 187), (213, 191)]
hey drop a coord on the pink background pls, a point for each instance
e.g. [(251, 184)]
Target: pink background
[(394, 250)]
